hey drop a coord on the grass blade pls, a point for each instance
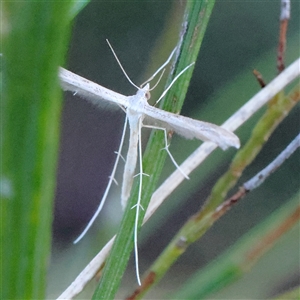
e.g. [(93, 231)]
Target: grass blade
[(34, 37)]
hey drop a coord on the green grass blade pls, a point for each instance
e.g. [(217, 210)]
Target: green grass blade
[(34, 39), (194, 24), (77, 7)]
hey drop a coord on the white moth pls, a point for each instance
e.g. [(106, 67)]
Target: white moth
[(137, 109)]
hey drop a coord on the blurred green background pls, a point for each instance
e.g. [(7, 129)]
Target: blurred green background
[(241, 36)]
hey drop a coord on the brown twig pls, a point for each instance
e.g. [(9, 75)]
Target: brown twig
[(259, 78), (148, 281), (284, 19)]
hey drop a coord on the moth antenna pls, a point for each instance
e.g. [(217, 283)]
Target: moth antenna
[(123, 70), (161, 75), (161, 67), (173, 81)]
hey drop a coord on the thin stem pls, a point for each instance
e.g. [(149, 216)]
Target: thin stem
[(259, 178), (284, 20)]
